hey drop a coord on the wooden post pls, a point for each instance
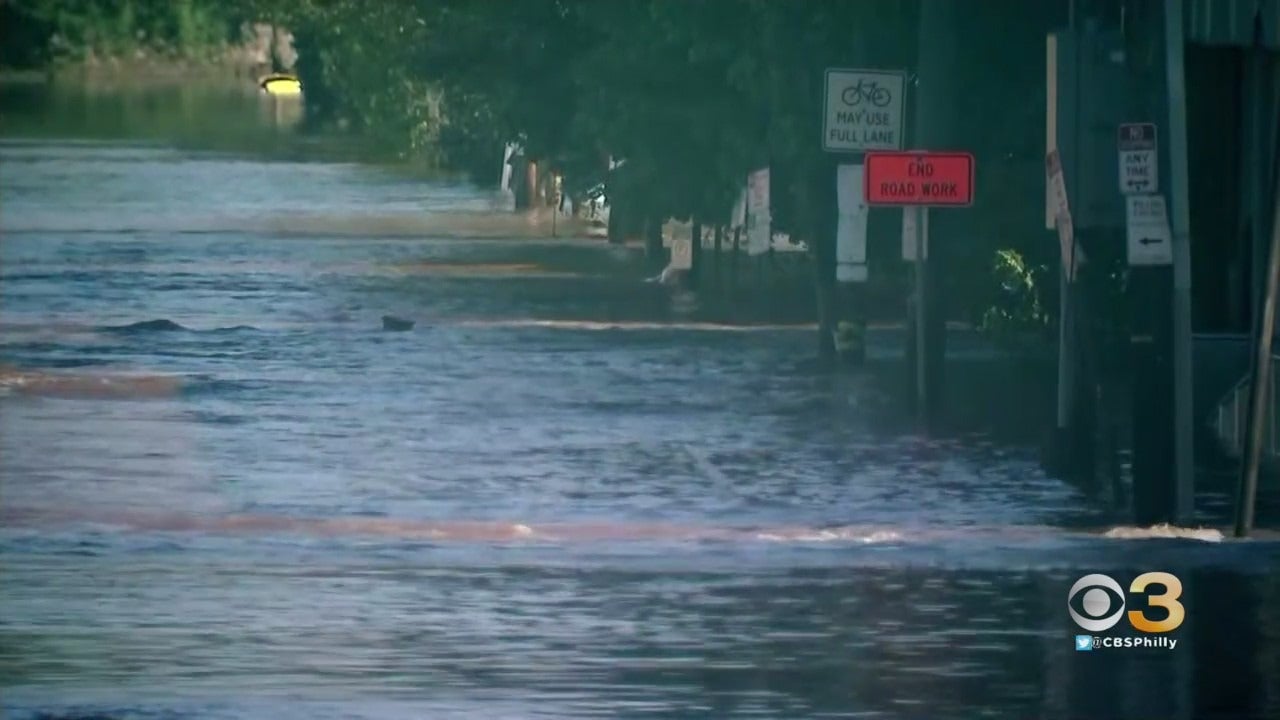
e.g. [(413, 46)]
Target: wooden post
[(1260, 382)]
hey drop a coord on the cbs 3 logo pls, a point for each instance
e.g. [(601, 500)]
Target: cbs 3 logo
[(1096, 602)]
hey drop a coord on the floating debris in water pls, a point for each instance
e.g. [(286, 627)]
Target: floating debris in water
[(391, 322), (160, 325)]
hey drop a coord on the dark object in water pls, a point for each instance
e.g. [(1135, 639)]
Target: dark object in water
[(391, 322), (163, 324)]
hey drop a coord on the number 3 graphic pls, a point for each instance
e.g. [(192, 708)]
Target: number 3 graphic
[(1167, 600)]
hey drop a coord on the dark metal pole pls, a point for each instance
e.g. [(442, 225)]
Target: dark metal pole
[(1179, 208), (921, 318), (935, 102), (1260, 382)]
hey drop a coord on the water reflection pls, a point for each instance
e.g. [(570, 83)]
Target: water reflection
[(435, 632), (226, 113)]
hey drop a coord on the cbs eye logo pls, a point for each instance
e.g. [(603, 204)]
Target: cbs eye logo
[(1096, 602)]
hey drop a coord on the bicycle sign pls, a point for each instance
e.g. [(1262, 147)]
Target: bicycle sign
[(866, 90), (863, 110)]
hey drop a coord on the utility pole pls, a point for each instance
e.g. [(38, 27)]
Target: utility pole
[(1184, 458), (936, 83)]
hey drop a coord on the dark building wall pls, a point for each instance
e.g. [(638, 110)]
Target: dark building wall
[(1218, 249)]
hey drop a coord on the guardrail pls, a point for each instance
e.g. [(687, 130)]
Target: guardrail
[(1231, 416)]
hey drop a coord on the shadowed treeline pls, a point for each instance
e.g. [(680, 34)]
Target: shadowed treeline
[(693, 96)]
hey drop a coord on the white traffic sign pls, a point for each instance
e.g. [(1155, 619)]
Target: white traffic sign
[(863, 110), (1139, 169), (681, 254), (851, 225), (1147, 229)]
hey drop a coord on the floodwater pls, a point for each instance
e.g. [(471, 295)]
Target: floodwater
[(229, 493)]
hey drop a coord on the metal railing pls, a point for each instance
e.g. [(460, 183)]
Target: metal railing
[(1231, 416)]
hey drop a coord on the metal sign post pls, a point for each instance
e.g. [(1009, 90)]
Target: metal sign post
[(918, 180), (863, 109), (922, 376), (1184, 458)]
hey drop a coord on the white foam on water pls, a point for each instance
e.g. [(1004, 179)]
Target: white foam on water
[(536, 224), (860, 535), (464, 531), (597, 325), (1164, 531)]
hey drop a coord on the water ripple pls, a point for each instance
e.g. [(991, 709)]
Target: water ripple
[(564, 493)]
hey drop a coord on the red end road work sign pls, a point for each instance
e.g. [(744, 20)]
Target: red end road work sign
[(936, 179)]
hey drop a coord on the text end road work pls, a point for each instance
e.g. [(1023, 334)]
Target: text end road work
[(919, 178)]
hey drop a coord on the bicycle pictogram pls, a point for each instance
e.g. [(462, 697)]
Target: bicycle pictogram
[(868, 90)]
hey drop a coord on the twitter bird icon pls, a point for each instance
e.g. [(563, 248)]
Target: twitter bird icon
[(1084, 642)]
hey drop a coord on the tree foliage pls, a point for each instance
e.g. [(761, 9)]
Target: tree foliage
[(37, 32), (694, 94)]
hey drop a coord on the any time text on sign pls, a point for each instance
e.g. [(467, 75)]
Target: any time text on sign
[(933, 179)]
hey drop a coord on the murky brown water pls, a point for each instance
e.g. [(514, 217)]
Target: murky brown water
[(565, 493)]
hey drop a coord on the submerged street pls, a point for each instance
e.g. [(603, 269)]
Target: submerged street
[(229, 493)]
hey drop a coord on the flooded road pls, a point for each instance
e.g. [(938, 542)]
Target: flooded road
[(229, 493)]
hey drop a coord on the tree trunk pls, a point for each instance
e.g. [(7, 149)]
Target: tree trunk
[(824, 284), (695, 252), (733, 267), (719, 247), (531, 181), (615, 220), (819, 208), (653, 239), (520, 183)]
